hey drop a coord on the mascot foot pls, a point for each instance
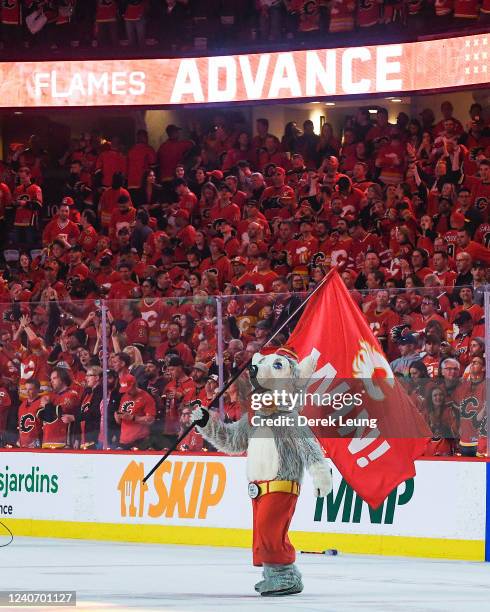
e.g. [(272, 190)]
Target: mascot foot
[(280, 580)]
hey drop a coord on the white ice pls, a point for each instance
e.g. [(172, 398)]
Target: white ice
[(121, 576)]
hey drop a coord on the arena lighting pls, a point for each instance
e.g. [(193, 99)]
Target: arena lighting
[(379, 69), (329, 103), (396, 100), (373, 111)]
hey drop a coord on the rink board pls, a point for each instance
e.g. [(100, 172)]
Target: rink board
[(202, 499)]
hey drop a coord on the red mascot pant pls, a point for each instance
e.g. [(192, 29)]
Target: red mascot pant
[(272, 514)]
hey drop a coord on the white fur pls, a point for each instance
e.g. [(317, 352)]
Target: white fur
[(262, 456), (322, 478)]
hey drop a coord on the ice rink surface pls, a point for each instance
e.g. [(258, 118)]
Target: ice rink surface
[(121, 576)]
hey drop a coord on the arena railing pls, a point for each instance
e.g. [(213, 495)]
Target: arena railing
[(76, 334)]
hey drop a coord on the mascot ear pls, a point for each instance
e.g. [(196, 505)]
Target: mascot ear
[(256, 358), (306, 368)]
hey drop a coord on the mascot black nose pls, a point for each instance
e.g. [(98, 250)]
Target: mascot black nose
[(252, 370)]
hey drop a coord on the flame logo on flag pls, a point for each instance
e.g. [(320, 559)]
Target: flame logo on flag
[(371, 366)]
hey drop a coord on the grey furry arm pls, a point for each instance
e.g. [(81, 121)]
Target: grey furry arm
[(230, 438), (311, 449)]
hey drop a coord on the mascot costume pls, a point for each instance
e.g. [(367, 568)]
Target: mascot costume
[(277, 456)]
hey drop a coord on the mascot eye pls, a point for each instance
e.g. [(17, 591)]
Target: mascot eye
[(277, 365)]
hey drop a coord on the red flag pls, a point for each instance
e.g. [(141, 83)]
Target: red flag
[(372, 460)]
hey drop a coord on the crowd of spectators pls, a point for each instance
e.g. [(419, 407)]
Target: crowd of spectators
[(148, 252), (180, 25)]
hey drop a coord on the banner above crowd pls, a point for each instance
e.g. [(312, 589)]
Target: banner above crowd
[(409, 67)]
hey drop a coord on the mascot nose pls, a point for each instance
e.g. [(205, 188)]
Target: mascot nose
[(252, 370)]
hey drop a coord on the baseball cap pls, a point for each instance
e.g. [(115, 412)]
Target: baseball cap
[(239, 260), (63, 365), (128, 381), (202, 367), (67, 201), (407, 339), (279, 170), (213, 377), (175, 361), (215, 174)]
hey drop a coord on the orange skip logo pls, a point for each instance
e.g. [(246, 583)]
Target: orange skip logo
[(183, 489)]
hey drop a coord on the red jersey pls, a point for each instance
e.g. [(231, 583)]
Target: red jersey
[(30, 425), (108, 203), (262, 280), (432, 365), (5, 199), (88, 239), (5, 403), (53, 230), (222, 266), (33, 366), (140, 404), (106, 11), (480, 195), (466, 9), (110, 162), (154, 312), (137, 332), (10, 13), (135, 10), (380, 323), (278, 201), (169, 155), (477, 251), (120, 219), (367, 13), (28, 200), (471, 405), (230, 213), (55, 432), (482, 234), (141, 157)]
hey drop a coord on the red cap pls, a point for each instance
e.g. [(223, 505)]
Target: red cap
[(67, 201), (126, 382), (279, 170), (35, 344), (216, 174), (240, 260)]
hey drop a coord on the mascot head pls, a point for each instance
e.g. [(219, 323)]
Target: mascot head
[(279, 369)]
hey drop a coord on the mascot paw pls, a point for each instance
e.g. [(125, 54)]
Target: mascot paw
[(200, 416), (322, 479)]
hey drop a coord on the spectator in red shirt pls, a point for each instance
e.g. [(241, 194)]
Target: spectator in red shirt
[(141, 159), (61, 228), (29, 423), (109, 162), (27, 201), (136, 414), (171, 153)]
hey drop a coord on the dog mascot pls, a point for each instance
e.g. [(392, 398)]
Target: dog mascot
[(277, 456)]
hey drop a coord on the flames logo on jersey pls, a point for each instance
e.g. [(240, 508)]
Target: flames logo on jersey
[(370, 365), (127, 407), (26, 423), (469, 409), (481, 203)]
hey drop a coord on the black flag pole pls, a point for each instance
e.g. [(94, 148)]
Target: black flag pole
[(235, 376)]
